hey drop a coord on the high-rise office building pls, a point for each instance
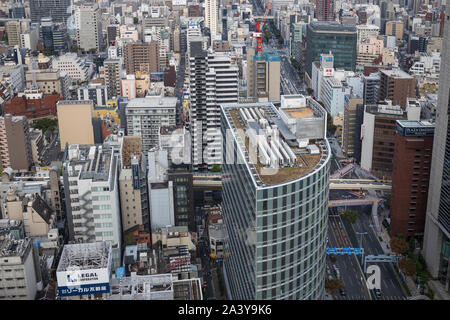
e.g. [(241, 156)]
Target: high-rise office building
[(113, 72), (378, 133), (325, 10), (211, 17), (276, 219), (263, 74), (47, 33), (436, 247), (15, 143), (89, 28), (213, 81), (340, 40), (351, 128), (57, 9), (410, 177)]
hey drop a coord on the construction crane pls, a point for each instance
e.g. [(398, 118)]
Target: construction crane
[(258, 28)]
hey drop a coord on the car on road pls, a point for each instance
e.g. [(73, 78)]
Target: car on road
[(378, 293), (342, 292)]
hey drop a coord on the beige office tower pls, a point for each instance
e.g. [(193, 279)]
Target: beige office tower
[(211, 18), (15, 143), (394, 28), (75, 122), (133, 185), (13, 30), (263, 74)]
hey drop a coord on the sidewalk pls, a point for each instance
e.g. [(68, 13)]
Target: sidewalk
[(439, 291)]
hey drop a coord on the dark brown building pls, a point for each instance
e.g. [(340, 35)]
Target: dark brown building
[(170, 77), (410, 177), (141, 57), (33, 104), (377, 135), (397, 86), (112, 31)]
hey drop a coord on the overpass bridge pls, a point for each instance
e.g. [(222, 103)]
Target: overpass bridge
[(358, 184), (210, 179)]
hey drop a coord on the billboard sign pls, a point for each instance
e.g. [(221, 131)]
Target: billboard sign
[(79, 282), (328, 72)]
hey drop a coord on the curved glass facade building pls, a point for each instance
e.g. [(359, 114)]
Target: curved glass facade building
[(276, 221)]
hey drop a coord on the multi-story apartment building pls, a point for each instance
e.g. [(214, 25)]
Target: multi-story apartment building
[(113, 75), (145, 116), (141, 56), (325, 10), (15, 143), (92, 196), (97, 93), (410, 177), (371, 88), (397, 86), (263, 74), (213, 81), (211, 16), (18, 271), (275, 201)]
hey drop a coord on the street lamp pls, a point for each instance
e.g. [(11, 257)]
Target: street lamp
[(361, 242)]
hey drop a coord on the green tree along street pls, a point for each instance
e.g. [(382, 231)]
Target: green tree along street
[(399, 245), (333, 285), (331, 128), (216, 168), (45, 124), (407, 266), (350, 216)]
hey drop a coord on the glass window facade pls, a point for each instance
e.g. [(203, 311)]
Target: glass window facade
[(276, 235)]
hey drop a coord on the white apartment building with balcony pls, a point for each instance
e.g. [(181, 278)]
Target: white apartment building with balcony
[(92, 195)]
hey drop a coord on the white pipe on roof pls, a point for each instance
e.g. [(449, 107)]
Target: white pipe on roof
[(289, 151), (259, 113), (253, 114), (280, 148), (243, 115), (263, 157), (247, 113), (277, 152)]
